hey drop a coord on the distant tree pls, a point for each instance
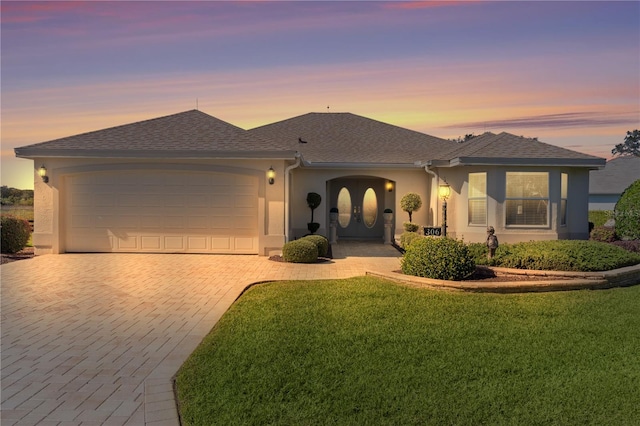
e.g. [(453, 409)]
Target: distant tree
[(630, 146), (466, 138), (13, 196)]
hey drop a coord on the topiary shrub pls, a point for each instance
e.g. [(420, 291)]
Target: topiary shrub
[(410, 226), (603, 234), (627, 213), (410, 202), (438, 258), (15, 234), (321, 242), (300, 251), (407, 238)]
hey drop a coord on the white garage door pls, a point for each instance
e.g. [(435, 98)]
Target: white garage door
[(162, 211)]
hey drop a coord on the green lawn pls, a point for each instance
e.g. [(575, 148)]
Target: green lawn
[(22, 212), (364, 351)]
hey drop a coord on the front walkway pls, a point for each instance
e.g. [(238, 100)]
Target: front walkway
[(96, 338)]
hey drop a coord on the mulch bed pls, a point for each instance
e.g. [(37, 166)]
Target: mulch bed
[(26, 253)]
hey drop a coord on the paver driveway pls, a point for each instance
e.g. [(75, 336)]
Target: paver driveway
[(96, 338)]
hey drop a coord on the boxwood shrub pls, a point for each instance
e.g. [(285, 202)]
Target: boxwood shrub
[(410, 226), (603, 234), (407, 238), (300, 251), (321, 242), (627, 213), (438, 258), (564, 255), (15, 234)]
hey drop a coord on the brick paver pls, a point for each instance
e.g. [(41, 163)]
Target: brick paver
[(97, 338)]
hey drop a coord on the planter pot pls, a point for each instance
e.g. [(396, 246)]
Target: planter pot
[(388, 217), (333, 217)]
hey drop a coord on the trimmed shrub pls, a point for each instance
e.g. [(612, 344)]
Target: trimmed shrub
[(410, 226), (478, 252), (321, 242), (627, 213), (603, 234), (438, 258), (407, 238), (564, 255), (300, 251), (15, 234), (410, 202)]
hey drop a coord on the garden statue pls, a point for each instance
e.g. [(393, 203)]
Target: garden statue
[(492, 242)]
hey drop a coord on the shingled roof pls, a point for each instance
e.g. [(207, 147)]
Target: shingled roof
[(616, 176), (345, 138), (505, 148), (187, 134)]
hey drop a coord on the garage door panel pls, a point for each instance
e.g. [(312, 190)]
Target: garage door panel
[(162, 211)]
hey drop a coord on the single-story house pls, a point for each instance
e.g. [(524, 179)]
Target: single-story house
[(192, 183), (607, 185)]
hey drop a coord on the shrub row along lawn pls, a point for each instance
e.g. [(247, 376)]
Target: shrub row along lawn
[(366, 351), (559, 255)]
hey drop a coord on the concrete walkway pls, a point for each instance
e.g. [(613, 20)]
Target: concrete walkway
[(92, 339)]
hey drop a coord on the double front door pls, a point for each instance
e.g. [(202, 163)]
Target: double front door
[(360, 204)]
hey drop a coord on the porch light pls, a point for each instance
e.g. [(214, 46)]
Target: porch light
[(444, 191), (271, 175), (389, 186), (42, 171)]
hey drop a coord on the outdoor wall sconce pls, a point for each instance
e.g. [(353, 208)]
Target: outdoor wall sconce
[(389, 186), (271, 175), (444, 191), (42, 171)]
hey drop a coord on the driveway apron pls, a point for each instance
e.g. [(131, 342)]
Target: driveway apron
[(96, 338)]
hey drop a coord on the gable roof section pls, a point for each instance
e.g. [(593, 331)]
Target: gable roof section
[(505, 148), (616, 176), (345, 139), (190, 134)]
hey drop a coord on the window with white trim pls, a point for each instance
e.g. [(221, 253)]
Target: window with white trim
[(477, 196), (564, 190), (527, 199)]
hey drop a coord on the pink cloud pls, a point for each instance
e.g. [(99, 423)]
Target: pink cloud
[(411, 5)]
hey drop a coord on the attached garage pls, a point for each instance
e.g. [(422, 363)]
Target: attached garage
[(161, 211)]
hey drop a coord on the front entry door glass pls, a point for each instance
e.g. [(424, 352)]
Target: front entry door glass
[(359, 207)]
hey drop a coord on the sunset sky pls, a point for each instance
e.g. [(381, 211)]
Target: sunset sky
[(565, 72)]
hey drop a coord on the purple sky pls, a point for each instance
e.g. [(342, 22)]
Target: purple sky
[(565, 72)]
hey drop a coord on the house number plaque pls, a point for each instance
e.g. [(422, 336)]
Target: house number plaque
[(433, 231)]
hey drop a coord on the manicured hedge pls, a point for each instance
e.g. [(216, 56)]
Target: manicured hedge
[(407, 238), (559, 255), (300, 251), (439, 258), (15, 234), (321, 242), (627, 213)]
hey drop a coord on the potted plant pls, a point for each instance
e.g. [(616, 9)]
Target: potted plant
[(313, 201)]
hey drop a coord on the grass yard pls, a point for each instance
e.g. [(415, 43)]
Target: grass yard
[(21, 212), (364, 351)]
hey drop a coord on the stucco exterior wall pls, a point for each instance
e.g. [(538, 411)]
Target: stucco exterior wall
[(306, 179), (577, 205), (49, 204)]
